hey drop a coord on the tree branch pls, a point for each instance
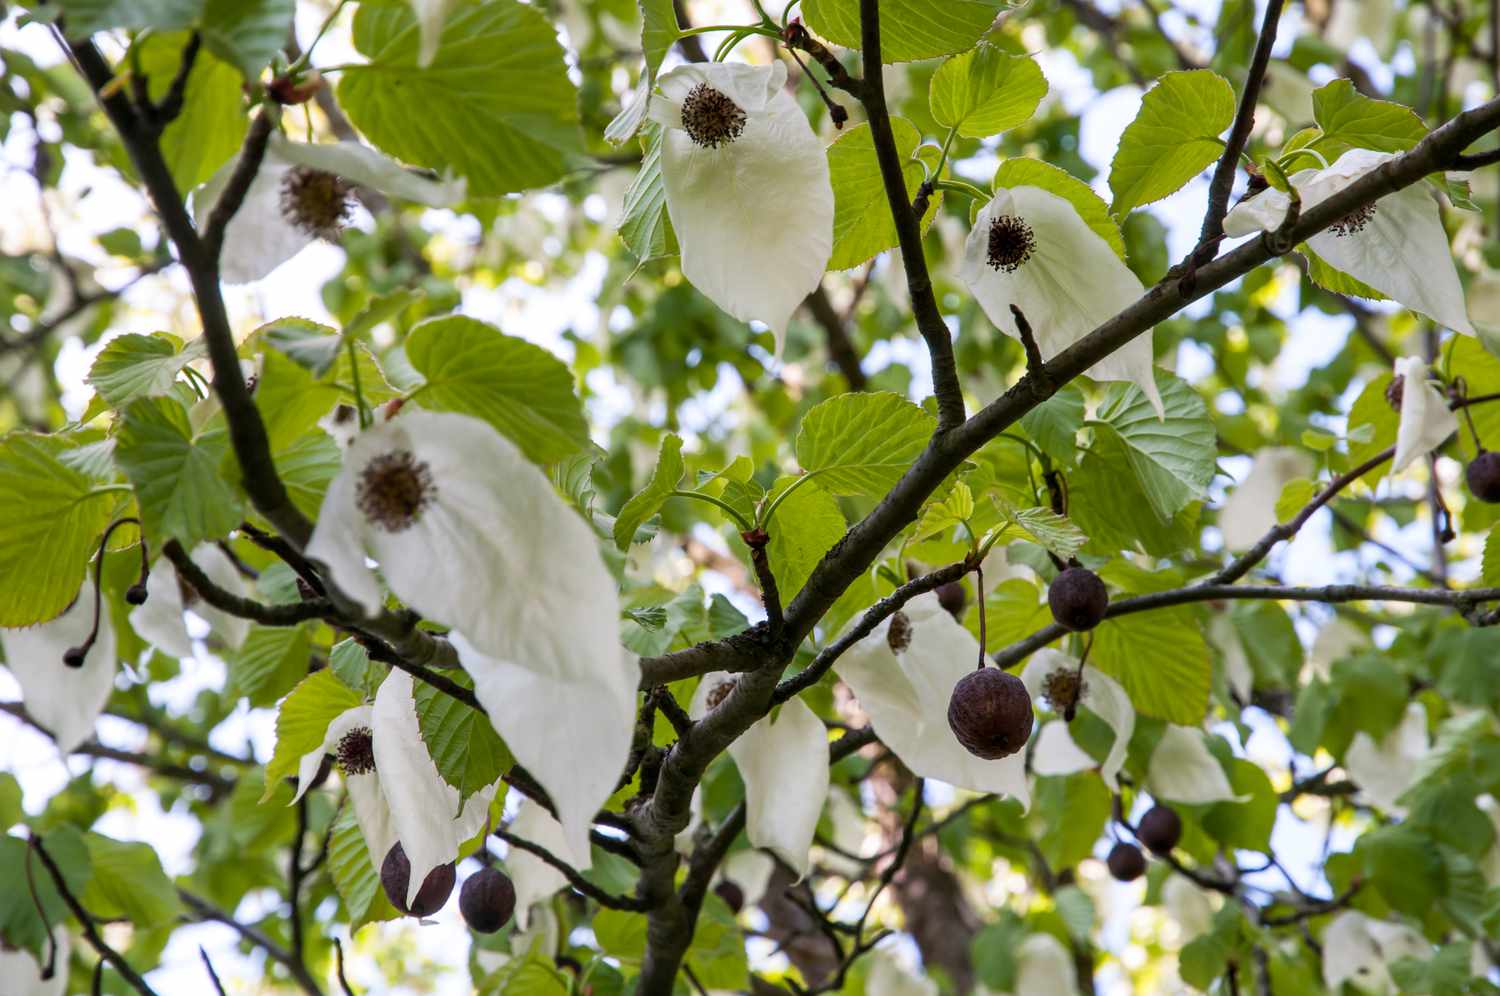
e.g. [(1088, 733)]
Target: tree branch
[(570, 873), (1220, 187), (930, 324), (287, 614), (86, 921)]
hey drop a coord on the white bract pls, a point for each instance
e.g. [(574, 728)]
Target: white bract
[(394, 785), (1182, 769), (1425, 417), (471, 534), (66, 701), (159, 619), (1384, 770), (889, 977), (1189, 904), (1030, 248), (1044, 968), (1237, 670), (1397, 245), (1250, 509), (749, 869), (1336, 640), (22, 973), (1053, 677), (905, 691), (300, 194), (783, 760), (534, 879), (431, 15), (1359, 949), (747, 188)]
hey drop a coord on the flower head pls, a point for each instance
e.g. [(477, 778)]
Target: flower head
[(1396, 245), (1425, 417), (302, 193), (783, 760), (905, 692), (1058, 680), (393, 783), (159, 618), (1031, 249), (747, 188), (65, 700)]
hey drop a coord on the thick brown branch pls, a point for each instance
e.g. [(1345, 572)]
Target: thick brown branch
[(286, 614)]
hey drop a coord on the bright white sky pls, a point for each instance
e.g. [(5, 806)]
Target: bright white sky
[(92, 201)]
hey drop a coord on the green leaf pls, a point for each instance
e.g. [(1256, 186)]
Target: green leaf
[(940, 516), (1074, 809), (312, 345), (11, 811), (717, 955), (861, 443), (1173, 457), (1324, 275), (1013, 610), (1404, 867), (302, 722), (127, 881), (1161, 659), (909, 29), (659, 31), (993, 952), (664, 480), (20, 923), (290, 399), (138, 366), (176, 473), (1245, 825), (212, 123), (1373, 410), (1110, 505), (469, 754), (806, 526), (862, 224), (1294, 497), (1490, 566), (984, 91), (49, 531), (1271, 643), (85, 17), (522, 390), (354, 874), (247, 34), (645, 227), (495, 105), (621, 934), (1089, 205), (1350, 120), (271, 662), (1465, 356), (1045, 527), (307, 467), (1173, 138), (1053, 425)]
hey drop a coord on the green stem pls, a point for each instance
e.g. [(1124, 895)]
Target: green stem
[(724, 506), (306, 56), (359, 394), (105, 489), (962, 187), (754, 29), (765, 517), (947, 144)]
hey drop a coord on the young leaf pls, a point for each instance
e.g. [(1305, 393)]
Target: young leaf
[(644, 225), (984, 91), (1161, 659), (127, 881), (862, 225), (247, 34), (1173, 138), (138, 366), (302, 721), (664, 480), (806, 526), (1350, 120)]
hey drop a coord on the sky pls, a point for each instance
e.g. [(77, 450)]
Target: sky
[(93, 201)]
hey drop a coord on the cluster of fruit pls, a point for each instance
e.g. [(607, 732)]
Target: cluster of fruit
[(486, 901)]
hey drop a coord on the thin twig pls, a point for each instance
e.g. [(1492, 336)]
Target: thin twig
[(203, 954), (285, 614), (576, 880), (86, 921)]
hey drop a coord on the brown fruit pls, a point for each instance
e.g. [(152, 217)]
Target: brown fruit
[(1126, 862), (1483, 474), (1160, 829), (395, 876), (487, 900), (1077, 599), (733, 895), (990, 713), (952, 598)]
